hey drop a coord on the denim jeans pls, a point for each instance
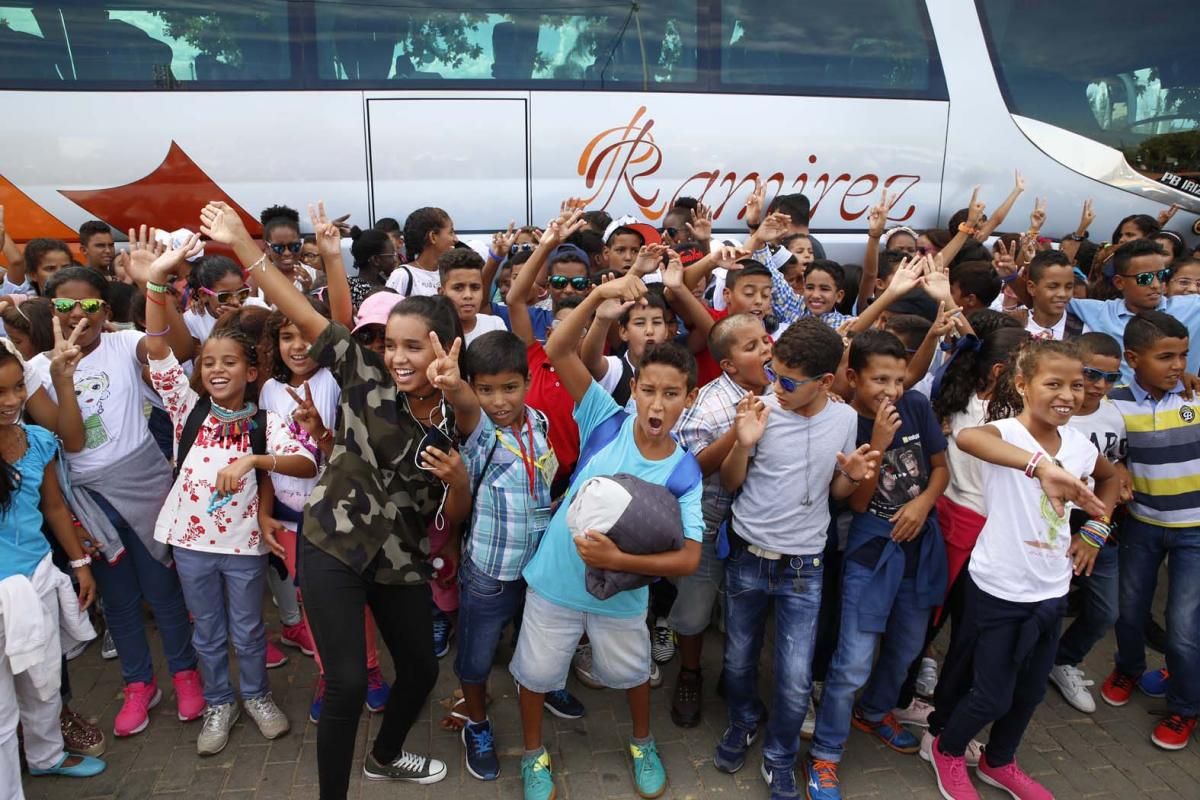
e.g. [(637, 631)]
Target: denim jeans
[(123, 586), (851, 667), (1101, 595), (1143, 547), (224, 592), (693, 607), (794, 584), (485, 607)]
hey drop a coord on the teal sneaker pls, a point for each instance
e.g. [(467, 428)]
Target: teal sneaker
[(648, 773), (536, 777)]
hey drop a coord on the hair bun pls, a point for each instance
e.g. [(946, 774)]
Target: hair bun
[(279, 212)]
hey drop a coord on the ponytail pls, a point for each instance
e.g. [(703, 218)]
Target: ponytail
[(1006, 402)]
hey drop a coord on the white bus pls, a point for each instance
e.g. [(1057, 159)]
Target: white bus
[(133, 111)]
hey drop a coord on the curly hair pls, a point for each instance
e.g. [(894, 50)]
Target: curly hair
[(279, 217), (275, 323), (969, 371), (246, 326), (1005, 401)]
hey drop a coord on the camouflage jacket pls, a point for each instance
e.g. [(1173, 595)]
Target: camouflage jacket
[(372, 505)]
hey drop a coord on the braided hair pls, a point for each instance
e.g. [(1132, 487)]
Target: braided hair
[(1005, 401)]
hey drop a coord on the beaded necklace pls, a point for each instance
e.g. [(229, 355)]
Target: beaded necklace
[(234, 424)]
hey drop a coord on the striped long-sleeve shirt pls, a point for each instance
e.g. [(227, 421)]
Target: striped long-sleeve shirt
[(1163, 456)]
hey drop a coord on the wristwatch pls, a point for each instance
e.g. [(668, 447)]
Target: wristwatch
[(1075, 237)]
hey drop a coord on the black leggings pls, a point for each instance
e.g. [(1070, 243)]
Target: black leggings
[(334, 598)]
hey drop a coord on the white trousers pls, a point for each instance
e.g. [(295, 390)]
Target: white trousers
[(39, 719)]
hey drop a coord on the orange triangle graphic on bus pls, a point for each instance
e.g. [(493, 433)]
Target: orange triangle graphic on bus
[(170, 197), (25, 219)]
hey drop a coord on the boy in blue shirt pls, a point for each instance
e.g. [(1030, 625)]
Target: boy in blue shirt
[(895, 564), (510, 465), (558, 607)]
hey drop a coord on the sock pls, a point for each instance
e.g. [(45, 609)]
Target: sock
[(532, 755), (642, 742)]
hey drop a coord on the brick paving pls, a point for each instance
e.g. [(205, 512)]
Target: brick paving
[(1104, 755)]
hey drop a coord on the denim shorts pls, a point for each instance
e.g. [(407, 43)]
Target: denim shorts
[(486, 606), (550, 633)]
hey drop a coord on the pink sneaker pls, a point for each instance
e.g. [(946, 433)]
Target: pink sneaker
[(298, 636), (952, 779), (275, 656), (1013, 780), (189, 695), (134, 715)]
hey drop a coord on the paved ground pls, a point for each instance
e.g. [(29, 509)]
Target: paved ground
[(1104, 755)]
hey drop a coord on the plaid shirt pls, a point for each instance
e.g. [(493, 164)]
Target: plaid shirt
[(786, 305), (706, 421), (508, 522)]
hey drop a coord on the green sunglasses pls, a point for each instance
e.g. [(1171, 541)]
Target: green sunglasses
[(580, 284), (1147, 278), (91, 305)]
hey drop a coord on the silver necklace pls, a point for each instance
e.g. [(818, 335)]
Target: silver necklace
[(807, 501)]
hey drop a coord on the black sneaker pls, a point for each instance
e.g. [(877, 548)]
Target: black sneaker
[(563, 704), (481, 758), (685, 706), (405, 767)]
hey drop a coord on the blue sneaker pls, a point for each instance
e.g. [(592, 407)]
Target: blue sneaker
[(88, 767), (481, 758), (442, 633), (1154, 683), (822, 780), (889, 731), (314, 711), (564, 705), (781, 782), (536, 777), (648, 774), (377, 691), (731, 750)]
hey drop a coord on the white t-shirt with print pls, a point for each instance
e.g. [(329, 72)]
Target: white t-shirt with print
[(108, 388), (294, 492), (1105, 428), (199, 325), (409, 280), (185, 520), (1021, 555), (484, 323)]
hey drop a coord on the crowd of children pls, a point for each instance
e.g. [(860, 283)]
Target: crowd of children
[(958, 431)]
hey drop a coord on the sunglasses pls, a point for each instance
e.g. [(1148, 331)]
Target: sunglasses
[(224, 298), (786, 383), (521, 248), (90, 306), (369, 335), (310, 257), (1147, 278), (672, 232), (579, 284), (1096, 375), (293, 248)]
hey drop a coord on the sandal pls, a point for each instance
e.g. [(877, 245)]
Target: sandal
[(457, 719)]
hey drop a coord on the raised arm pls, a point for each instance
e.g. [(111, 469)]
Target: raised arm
[(562, 346), (497, 252), (444, 374), (221, 223), (702, 270), (158, 275), (144, 250), (693, 312), (961, 236), (876, 220), (994, 221), (1070, 246), (329, 241), (907, 278), (592, 352), (63, 361), (12, 254), (570, 221)]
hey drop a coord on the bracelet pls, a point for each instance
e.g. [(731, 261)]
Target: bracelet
[(1095, 532), (328, 434), (80, 562), (260, 263), (161, 288), (492, 255), (1031, 467), (841, 471), (274, 462), (163, 332), (150, 299), (970, 230)]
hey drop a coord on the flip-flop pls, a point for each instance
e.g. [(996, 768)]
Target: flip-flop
[(87, 767), (456, 719)]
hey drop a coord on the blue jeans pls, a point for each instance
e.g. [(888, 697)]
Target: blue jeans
[(225, 595), (1101, 596), (1143, 547), (123, 586), (795, 586), (852, 661), (485, 607)]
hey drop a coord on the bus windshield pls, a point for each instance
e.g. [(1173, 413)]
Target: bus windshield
[(1125, 75)]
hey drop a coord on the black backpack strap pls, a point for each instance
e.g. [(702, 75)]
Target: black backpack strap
[(622, 391), (258, 434), (191, 429)]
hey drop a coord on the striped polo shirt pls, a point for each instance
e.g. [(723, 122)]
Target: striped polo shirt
[(1163, 455)]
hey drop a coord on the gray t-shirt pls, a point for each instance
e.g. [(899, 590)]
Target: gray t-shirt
[(795, 460)]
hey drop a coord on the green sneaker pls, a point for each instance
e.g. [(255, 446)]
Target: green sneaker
[(648, 773), (537, 778)]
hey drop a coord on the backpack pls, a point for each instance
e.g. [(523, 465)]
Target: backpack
[(199, 413), (683, 478), (623, 390)]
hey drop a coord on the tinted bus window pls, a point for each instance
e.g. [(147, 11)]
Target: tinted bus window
[(143, 45), (614, 45), (856, 47), (1126, 76)]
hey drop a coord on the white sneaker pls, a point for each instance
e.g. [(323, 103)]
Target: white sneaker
[(917, 713), (656, 678), (974, 750), (582, 662), (267, 716), (214, 733), (662, 642), (818, 692), (108, 648), (927, 677), (809, 726), (1073, 685)]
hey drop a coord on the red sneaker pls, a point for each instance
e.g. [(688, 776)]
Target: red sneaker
[(134, 715), (189, 695), (1118, 688), (1013, 780), (300, 637), (1173, 732), (275, 656), (952, 779)]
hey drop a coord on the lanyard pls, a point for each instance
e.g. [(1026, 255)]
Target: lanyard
[(532, 465)]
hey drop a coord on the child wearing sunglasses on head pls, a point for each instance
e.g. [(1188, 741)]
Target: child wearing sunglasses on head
[(461, 272), (284, 245), (217, 287), (118, 444)]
